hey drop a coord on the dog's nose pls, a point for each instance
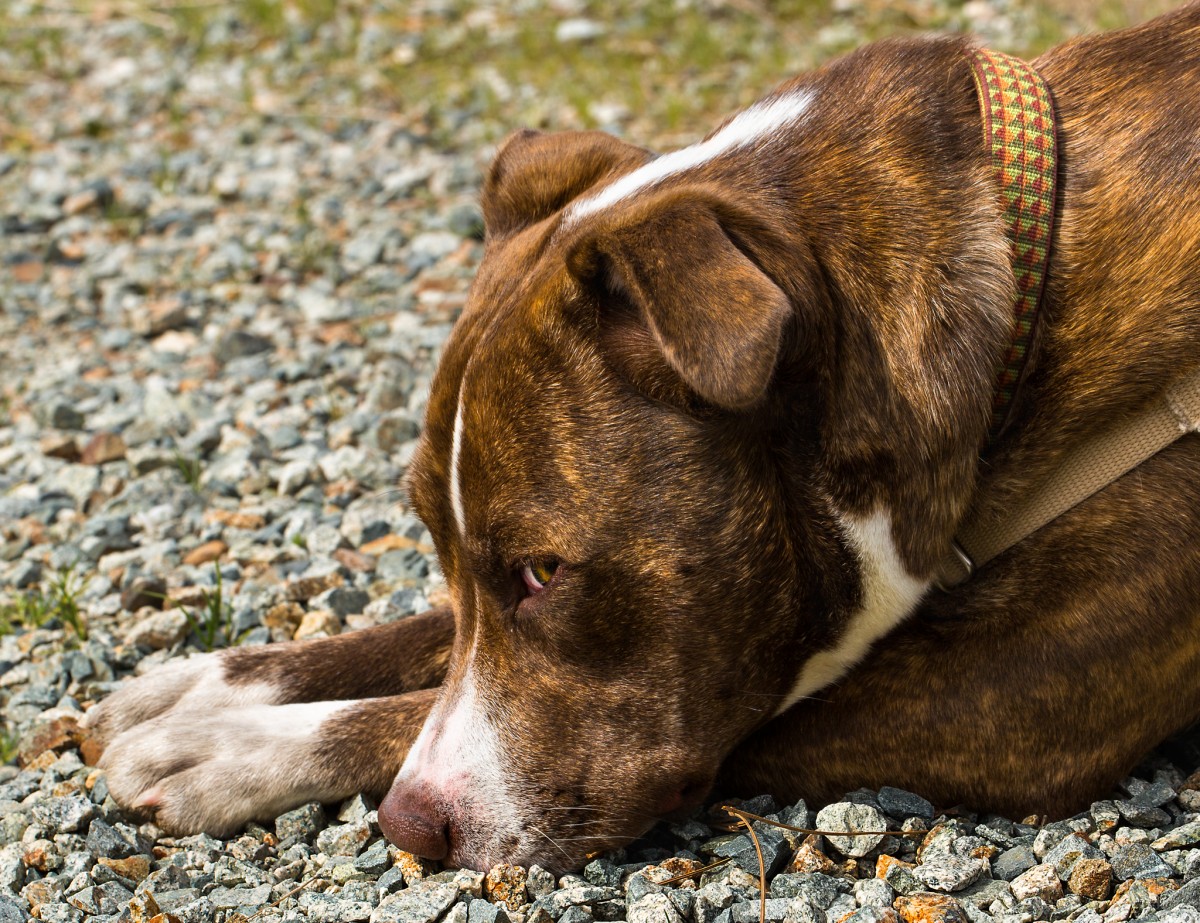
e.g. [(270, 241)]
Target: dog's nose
[(412, 820)]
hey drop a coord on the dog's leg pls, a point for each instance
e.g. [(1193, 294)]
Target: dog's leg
[(383, 661), (215, 770), (213, 741)]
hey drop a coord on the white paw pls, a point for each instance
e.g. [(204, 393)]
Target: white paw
[(213, 770), (197, 683)]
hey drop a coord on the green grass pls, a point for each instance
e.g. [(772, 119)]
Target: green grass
[(212, 621), (190, 467), (57, 597), (10, 743)]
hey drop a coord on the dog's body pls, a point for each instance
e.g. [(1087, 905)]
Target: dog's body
[(702, 437)]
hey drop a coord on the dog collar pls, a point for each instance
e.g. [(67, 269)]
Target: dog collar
[(1018, 130)]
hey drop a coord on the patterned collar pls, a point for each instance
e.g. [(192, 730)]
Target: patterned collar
[(1018, 130)]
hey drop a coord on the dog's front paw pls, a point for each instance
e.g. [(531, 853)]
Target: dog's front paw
[(197, 684), (213, 770)]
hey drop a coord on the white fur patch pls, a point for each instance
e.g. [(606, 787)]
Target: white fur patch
[(197, 682), (760, 122), (459, 755), (455, 488), (890, 594), (214, 770)]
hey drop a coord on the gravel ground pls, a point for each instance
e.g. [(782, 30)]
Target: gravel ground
[(231, 246)]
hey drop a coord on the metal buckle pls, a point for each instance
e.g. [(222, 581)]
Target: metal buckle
[(947, 583)]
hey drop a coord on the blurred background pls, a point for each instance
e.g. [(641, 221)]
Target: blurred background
[(466, 71)]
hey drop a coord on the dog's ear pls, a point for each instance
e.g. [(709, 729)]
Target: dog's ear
[(534, 174), (715, 315)]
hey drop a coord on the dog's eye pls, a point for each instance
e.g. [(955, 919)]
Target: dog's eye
[(537, 574)]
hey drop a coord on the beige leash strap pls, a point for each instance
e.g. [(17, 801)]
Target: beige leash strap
[(1091, 467)]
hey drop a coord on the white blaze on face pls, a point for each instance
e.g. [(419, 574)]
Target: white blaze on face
[(460, 757), (760, 122), (456, 503), (890, 594)]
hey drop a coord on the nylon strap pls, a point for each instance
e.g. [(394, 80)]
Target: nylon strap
[(1018, 130), (1018, 119), (1092, 466)]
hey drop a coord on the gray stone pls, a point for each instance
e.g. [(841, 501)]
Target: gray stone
[(200, 910), (11, 911), (1068, 852), (1104, 815), (109, 897), (712, 900), (344, 839), (1030, 908), (576, 915), (159, 630), (301, 823), (950, 873), (421, 902), (237, 344), (801, 911), (323, 540), (391, 880), (104, 840), (1186, 896), (67, 814), (1137, 860), (342, 601), (853, 817), (24, 574), (899, 803), (984, 893), (818, 889), (750, 911), (481, 911), (654, 908), (538, 882), (233, 898), (374, 860), (402, 564), (902, 879), (873, 892), (1012, 862), (59, 415), (870, 914), (337, 909), (771, 840), (603, 873), (1151, 794), (1181, 837), (1143, 815)]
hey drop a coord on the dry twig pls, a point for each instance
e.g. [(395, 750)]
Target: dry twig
[(762, 867)]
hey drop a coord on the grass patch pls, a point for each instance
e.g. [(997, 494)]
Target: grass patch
[(212, 621), (10, 743), (190, 468), (57, 597)]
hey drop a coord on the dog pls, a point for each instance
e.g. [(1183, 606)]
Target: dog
[(693, 457)]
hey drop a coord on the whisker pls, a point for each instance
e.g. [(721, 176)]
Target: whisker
[(549, 839)]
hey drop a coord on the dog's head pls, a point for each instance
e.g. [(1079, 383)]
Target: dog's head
[(656, 465)]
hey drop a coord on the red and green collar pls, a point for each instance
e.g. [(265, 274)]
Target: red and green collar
[(1018, 130)]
